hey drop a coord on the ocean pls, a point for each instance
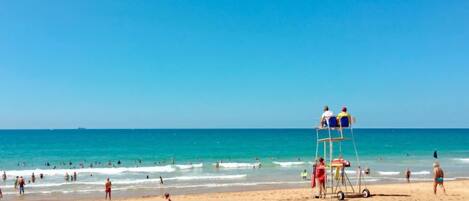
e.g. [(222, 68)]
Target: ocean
[(186, 158)]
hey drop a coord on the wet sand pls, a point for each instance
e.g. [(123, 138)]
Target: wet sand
[(456, 190)]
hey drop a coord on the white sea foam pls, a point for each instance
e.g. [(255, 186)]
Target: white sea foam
[(190, 166), (351, 171), (208, 177), (213, 185), (288, 164), (463, 160), (238, 165), (421, 173), (388, 173), (106, 171)]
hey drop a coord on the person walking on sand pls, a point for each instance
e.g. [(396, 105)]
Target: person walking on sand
[(166, 197), (21, 183), (407, 175), (108, 186), (321, 177), (438, 176)]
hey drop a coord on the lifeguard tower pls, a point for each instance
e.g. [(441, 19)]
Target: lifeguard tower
[(331, 137)]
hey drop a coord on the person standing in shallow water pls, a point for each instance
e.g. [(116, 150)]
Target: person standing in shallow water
[(108, 186), (407, 175), (4, 176), (16, 182), (21, 183)]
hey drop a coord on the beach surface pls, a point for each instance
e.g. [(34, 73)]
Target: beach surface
[(455, 190)]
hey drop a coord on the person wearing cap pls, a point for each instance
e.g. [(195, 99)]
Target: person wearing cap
[(325, 117), (344, 113)]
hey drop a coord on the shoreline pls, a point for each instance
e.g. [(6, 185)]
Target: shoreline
[(416, 191), (456, 190)]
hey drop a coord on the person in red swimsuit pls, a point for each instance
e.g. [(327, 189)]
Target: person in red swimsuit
[(321, 177), (108, 186)]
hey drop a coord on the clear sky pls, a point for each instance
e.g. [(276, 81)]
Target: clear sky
[(232, 64)]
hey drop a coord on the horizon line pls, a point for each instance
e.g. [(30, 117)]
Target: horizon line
[(208, 128)]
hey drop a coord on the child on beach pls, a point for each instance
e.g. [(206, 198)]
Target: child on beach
[(16, 182), (438, 176), (166, 197)]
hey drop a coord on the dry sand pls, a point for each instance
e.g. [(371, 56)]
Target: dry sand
[(456, 190)]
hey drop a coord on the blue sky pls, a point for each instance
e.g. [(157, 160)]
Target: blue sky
[(232, 64)]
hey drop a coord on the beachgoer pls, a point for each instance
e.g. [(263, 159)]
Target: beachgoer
[(41, 176), (148, 177), (74, 176), (325, 117), (4, 176), (1, 194), (367, 171), (67, 177), (16, 182), (304, 175), (344, 113), (407, 175), (435, 154), (321, 177), (438, 176), (33, 178), (166, 197), (108, 186), (161, 180), (21, 183)]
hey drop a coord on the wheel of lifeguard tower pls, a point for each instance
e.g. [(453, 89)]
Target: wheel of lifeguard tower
[(340, 195), (366, 193)]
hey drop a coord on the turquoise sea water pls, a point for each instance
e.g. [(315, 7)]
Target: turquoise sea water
[(186, 158)]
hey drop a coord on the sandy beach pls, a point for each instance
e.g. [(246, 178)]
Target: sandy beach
[(456, 190)]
